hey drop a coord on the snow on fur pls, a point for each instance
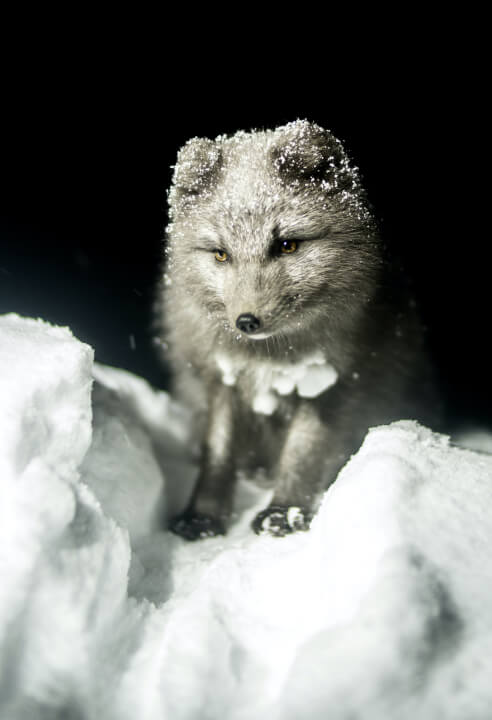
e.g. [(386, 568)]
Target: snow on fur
[(381, 610)]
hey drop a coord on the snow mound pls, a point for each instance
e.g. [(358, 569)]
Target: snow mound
[(382, 610)]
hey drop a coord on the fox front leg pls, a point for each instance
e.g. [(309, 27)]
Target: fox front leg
[(308, 457), (211, 501)]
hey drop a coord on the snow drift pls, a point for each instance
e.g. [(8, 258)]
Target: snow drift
[(381, 610)]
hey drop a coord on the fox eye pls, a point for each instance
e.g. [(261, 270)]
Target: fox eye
[(220, 255), (288, 246)]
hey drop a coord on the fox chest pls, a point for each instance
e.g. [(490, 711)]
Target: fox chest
[(263, 383)]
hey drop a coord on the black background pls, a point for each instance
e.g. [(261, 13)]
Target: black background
[(87, 147)]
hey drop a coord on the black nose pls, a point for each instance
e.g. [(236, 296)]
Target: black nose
[(247, 323)]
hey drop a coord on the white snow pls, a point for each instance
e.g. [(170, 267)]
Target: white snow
[(308, 377), (381, 611), (227, 368)]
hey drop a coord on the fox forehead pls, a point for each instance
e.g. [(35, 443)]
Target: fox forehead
[(251, 223)]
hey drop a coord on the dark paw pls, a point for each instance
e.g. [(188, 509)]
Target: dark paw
[(195, 526), (278, 520)]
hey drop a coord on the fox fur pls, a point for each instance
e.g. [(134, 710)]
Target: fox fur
[(274, 225)]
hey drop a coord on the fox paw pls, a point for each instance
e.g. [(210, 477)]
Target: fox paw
[(279, 520), (195, 526)]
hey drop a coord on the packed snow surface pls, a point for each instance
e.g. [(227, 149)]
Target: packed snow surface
[(382, 610)]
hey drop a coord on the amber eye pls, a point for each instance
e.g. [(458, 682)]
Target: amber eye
[(220, 255), (288, 246)]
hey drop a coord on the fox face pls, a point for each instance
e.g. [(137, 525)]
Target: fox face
[(270, 233)]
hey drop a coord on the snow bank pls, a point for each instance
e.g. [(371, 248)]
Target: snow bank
[(382, 610)]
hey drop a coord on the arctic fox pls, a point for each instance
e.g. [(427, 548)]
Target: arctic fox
[(284, 331)]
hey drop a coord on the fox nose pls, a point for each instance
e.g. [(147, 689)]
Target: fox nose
[(247, 323)]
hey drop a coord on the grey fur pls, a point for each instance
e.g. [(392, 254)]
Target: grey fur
[(243, 195)]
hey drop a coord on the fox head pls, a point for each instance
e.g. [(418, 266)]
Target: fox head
[(270, 232)]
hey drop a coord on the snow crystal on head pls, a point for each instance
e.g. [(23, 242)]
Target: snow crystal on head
[(305, 150), (311, 159), (300, 157), (198, 163)]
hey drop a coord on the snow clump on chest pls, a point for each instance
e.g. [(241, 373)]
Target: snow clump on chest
[(309, 378)]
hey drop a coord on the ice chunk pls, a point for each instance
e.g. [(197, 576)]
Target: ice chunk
[(265, 403), (45, 385), (227, 368), (63, 565), (316, 380)]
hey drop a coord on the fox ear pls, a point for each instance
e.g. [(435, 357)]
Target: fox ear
[(305, 151), (197, 165)]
